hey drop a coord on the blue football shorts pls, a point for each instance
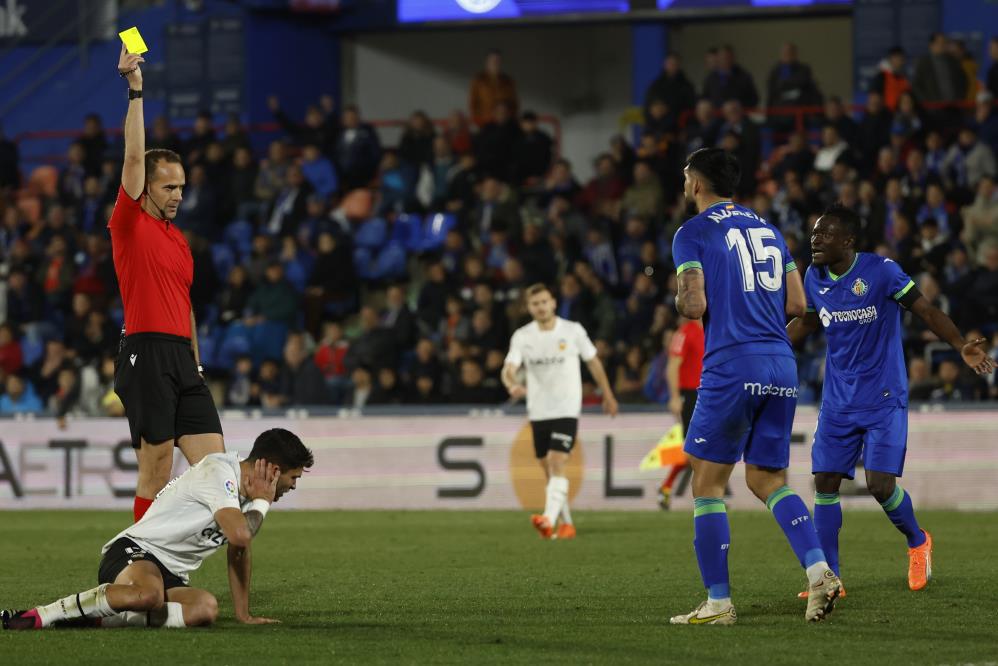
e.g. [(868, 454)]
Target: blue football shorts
[(880, 435), (745, 410)]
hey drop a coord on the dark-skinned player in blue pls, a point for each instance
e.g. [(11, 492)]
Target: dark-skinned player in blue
[(737, 275), (857, 297)]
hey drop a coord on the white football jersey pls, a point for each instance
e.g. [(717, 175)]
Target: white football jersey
[(179, 529), (551, 358)]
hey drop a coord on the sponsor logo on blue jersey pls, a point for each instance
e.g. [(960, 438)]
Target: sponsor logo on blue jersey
[(865, 315)]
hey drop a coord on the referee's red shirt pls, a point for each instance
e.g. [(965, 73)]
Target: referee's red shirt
[(687, 344), (155, 270)]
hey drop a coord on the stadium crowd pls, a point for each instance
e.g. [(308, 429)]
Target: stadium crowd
[(335, 271)]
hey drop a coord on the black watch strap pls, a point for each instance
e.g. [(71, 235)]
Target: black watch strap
[(134, 94)]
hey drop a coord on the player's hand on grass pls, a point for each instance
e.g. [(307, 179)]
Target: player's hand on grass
[(262, 483), (974, 355), (252, 619), (517, 391), (609, 405), (128, 66)]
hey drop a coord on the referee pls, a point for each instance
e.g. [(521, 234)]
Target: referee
[(158, 374), (683, 373)]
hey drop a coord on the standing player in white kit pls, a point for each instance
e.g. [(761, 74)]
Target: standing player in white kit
[(550, 347)]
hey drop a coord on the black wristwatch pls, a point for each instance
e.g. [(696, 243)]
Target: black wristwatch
[(134, 94)]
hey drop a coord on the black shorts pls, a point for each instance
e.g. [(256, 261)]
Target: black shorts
[(164, 396), (124, 552), (689, 403), (554, 435)]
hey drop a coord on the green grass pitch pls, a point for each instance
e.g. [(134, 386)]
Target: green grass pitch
[(480, 587)]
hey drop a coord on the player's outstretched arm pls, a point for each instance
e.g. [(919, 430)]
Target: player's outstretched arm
[(972, 351), (692, 299), (800, 327), (133, 171), (796, 299)]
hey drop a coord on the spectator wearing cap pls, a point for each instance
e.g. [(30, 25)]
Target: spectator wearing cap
[(729, 80), (671, 86), (491, 87), (532, 152)]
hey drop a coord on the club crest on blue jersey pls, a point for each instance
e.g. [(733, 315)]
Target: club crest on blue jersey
[(860, 287)]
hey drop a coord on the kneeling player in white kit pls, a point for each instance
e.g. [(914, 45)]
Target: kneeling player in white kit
[(550, 347), (144, 571)]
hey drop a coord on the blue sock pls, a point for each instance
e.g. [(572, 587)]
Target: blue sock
[(901, 512), (711, 541), (827, 523), (793, 517)]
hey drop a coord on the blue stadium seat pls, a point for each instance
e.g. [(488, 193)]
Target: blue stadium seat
[(267, 341), (296, 274), (239, 236), (224, 259), (235, 342), (391, 263), (362, 262), (435, 230), (372, 233), (407, 231), (32, 349)]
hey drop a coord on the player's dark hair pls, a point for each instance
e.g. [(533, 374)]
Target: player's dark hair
[(283, 448), (719, 167), (157, 155), (846, 217)]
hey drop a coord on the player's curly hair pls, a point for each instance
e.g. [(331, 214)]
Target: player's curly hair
[(719, 167), (283, 448), (847, 218)]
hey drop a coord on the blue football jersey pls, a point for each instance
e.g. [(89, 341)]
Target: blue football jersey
[(859, 310), (744, 260)]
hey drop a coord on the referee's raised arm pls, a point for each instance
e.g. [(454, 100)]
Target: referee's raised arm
[(133, 171)]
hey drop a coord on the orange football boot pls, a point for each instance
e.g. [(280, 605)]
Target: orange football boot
[(920, 564), (542, 525)]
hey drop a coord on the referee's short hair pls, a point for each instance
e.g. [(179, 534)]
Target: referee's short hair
[(719, 167), (537, 288), (157, 155), (282, 448)]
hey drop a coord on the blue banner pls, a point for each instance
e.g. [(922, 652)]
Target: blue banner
[(410, 11)]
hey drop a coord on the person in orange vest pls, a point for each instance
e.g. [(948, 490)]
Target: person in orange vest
[(490, 87), (892, 81)]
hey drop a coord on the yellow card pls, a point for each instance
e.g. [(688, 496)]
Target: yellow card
[(133, 40)]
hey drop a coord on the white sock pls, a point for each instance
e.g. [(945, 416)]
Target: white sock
[(92, 603), (556, 496), (174, 616), (170, 616), (718, 605), (816, 571), (566, 513)]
